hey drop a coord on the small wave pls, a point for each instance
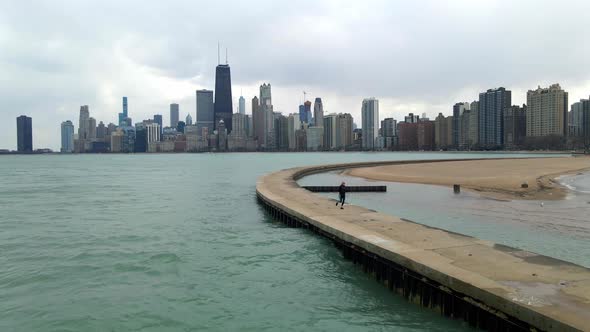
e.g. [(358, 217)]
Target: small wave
[(165, 258)]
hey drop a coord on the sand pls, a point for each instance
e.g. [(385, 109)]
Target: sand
[(498, 179)]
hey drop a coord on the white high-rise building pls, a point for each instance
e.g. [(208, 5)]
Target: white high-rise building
[(370, 123), (242, 105), (189, 120), (67, 137)]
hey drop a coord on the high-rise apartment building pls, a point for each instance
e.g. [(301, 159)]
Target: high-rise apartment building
[(281, 135), (242, 105), (174, 115), (344, 131), (370, 123), (492, 104), (223, 99), (158, 119), (575, 118), (514, 126), (205, 110), (458, 110), (473, 134), (67, 137), (240, 123), (24, 134), (547, 112), (257, 121)]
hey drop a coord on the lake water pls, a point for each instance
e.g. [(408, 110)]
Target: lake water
[(176, 243)]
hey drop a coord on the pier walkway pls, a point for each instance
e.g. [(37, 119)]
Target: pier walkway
[(491, 286)]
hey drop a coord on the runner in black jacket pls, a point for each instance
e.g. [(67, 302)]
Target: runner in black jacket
[(342, 192)]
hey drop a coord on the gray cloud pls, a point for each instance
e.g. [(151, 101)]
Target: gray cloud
[(420, 56)]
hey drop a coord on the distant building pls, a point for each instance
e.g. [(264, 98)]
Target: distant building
[(514, 127), (188, 120), (318, 113), (547, 112), (116, 140), (124, 114), (344, 131), (388, 127), (158, 120), (205, 110), (83, 123), (473, 133), (174, 114), (370, 123), (458, 110), (281, 135), (223, 97), (257, 121), (307, 112), (240, 123), (575, 118), (293, 125), (67, 137), (141, 142), (101, 131), (24, 134), (153, 131), (443, 129), (91, 129), (492, 104), (301, 140), (411, 118), (221, 135), (180, 126), (302, 114), (425, 133), (408, 136), (242, 105), (330, 131)]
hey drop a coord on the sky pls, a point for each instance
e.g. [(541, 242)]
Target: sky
[(414, 56)]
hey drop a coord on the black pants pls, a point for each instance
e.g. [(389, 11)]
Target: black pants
[(342, 198)]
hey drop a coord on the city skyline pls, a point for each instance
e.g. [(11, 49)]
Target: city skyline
[(154, 72)]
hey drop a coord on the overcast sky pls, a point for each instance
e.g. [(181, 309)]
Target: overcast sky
[(414, 56)]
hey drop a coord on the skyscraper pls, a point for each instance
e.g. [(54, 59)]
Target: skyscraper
[(83, 123), (257, 121), (188, 120), (242, 105), (302, 115), (492, 104), (174, 115), (223, 100), (318, 112), (91, 131), (370, 122), (458, 110), (547, 112), (514, 126), (307, 110), (123, 115), (344, 131), (24, 134), (205, 111), (267, 117), (67, 137)]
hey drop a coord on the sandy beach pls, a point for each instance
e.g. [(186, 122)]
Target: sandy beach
[(498, 179)]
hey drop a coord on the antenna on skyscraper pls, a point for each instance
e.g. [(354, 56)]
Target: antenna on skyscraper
[(226, 55), (218, 59)]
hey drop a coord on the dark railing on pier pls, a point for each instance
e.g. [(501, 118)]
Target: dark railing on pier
[(354, 189)]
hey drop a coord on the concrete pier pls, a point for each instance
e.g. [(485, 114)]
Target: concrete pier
[(491, 286), (349, 189)]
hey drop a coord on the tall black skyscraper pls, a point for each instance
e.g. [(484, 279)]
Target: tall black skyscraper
[(24, 133), (223, 100)]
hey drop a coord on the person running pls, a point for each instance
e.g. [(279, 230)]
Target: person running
[(342, 192)]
